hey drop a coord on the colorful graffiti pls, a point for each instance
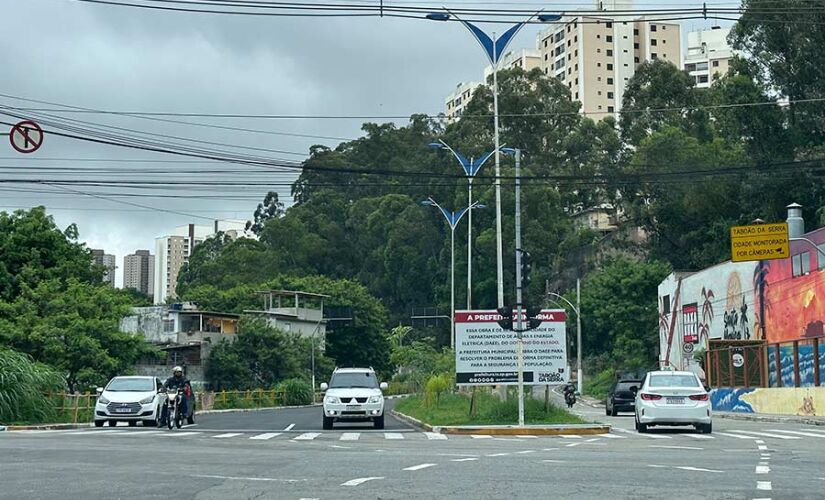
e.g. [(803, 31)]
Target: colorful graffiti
[(806, 401), (794, 305)]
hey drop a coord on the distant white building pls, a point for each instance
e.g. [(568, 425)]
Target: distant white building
[(106, 260), (708, 55), (139, 272), (174, 250), (458, 99)]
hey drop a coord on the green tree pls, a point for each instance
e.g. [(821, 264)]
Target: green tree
[(620, 312), (270, 208)]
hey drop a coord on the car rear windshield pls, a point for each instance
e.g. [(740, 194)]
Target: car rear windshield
[(131, 385), (344, 380), (625, 386), (673, 381)]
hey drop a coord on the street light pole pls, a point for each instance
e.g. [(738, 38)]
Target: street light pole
[(519, 304), (499, 246), (577, 310)]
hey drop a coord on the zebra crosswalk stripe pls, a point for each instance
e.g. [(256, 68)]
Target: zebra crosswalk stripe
[(307, 436), (350, 436), (481, 436), (611, 436), (435, 435), (227, 435), (735, 436), (265, 436), (798, 433), (393, 435), (767, 434)]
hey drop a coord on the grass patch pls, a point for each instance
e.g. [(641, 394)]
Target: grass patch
[(454, 409), (599, 385)]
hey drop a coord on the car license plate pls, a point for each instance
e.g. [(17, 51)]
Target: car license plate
[(675, 401), (123, 410), (353, 407)]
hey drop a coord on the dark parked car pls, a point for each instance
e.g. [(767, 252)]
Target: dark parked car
[(622, 397)]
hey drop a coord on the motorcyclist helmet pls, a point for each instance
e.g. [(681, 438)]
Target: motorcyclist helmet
[(177, 371)]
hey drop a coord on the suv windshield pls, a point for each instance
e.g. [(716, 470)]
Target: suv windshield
[(344, 380), (673, 381), (131, 385), (625, 386)]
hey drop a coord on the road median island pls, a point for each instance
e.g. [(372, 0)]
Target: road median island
[(450, 414)]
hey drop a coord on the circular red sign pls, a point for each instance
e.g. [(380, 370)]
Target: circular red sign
[(26, 137)]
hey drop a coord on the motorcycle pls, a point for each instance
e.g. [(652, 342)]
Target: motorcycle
[(570, 398), (173, 411)]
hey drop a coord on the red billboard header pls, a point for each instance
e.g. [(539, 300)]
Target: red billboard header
[(491, 316)]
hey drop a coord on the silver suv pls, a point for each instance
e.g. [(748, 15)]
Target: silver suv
[(353, 394)]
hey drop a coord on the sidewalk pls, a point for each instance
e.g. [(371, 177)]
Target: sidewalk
[(770, 417)]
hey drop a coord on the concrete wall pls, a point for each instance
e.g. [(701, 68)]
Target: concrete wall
[(806, 401), (148, 321)]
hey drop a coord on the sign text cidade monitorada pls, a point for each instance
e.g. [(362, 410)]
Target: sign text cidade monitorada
[(485, 354)]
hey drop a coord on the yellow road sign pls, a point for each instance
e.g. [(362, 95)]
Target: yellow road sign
[(759, 242)]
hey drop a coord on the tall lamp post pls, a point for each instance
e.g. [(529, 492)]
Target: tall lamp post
[(471, 167), (494, 47), (577, 310), (453, 218)]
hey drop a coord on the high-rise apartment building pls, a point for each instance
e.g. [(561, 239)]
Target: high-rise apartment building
[(457, 100), (173, 251), (596, 55), (139, 272), (708, 55), (101, 258)]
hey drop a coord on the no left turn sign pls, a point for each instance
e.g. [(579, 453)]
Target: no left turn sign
[(26, 137)]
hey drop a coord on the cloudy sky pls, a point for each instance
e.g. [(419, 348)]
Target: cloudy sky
[(114, 58)]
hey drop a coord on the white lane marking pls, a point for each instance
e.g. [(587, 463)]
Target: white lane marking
[(498, 455), (766, 434), (350, 436), (193, 433), (700, 436), (759, 441), (611, 436), (525, 452), (656, 436), (227, 435), (340, 447), (289, 427), (468, 459), (763, 485), (675, 447), (570, 436), (265, 436), (508, 439), (572, 444), (481, 436), (238, 478), (418, 467), (762, 447), (762, 469), (307, 436), (554, 461), (699, 469), (89, 433), (735, 436), (526, 437), (393, 435), (549, 449), (591, 440), (798, 433), (360, 480), (434, 435), (46, 431), (188, 426), (142, 433), (626, 431)]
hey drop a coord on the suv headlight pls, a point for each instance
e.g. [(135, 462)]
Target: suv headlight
[(102, 400), (147, 400), (376, 399), (331, 400)]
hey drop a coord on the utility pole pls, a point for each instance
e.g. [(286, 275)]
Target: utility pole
[(519, 304), (579, 372)]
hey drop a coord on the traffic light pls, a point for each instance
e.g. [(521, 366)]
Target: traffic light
[(533, 320), (526, 268), (506, 321)]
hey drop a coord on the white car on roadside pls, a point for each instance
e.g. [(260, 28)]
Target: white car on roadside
[(353, 394), (673, 398), (130, 399)]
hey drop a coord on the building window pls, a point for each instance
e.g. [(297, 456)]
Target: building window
[(598, 65), (636, 45), (610, 81), (702, 78), (610, 109), (576, 39), (569, 71), (545, 57), (568, 29), (654, 56), (820, 255), (625, 51), (600, 106), (568, 43), (609, 67), (545, 42), (576, 53), (599, 37), (577, 96), (652, 27), (653, 42), (715, 64), (664, 27), (664, 42), (598, 79), (599, 93), (568, 57), (801, 264), (636, 60), (577, 81), (625, 37), (610, 95), (545, 71), (609, 39), (609, 52), (577, 67), (636, 32), (608, 25), (598, 51)]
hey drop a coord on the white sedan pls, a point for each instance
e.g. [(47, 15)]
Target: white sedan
[(673, 398), (130, 399)]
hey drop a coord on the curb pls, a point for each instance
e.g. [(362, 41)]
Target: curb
[(790, 419), (418, 424), (529, 430), (398, 396), (44, 427)]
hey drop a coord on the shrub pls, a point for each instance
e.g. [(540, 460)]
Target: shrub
[(599, 385), (435, 387), (23, 384), (295, 392)]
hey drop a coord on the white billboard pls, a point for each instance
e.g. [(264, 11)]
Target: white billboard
[(485, 354)]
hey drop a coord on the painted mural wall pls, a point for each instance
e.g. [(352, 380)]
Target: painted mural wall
[(794, 295), (715, 303), (805, 401)]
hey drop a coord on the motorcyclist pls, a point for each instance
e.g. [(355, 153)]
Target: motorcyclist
[(569, 393), (172, 384)]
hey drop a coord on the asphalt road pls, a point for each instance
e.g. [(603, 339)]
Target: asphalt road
[(252, 455)]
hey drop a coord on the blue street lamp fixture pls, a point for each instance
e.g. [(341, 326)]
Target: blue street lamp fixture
[(471, 167), (494, 48), (453, 218)]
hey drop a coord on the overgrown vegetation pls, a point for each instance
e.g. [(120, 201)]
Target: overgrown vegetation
[(24, 385)]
